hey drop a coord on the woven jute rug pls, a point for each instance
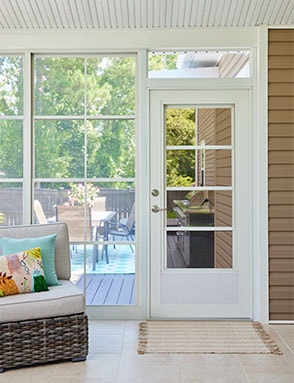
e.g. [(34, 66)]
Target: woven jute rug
[(201, 337)]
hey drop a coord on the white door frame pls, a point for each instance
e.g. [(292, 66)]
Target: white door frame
[(237, 282)]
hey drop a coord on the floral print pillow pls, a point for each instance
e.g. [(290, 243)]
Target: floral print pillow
[(22, 273)]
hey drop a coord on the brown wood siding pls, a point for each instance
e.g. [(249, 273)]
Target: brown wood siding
[(223, 199), (281, 173), (206, 131), (230, 64)]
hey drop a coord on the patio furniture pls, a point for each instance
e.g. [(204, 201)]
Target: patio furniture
[(79, 225), (47, 326), (102, 220), (124, 228), (39, 212), (40, 215)]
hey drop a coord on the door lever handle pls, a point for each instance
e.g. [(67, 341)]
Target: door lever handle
[(156, 209)]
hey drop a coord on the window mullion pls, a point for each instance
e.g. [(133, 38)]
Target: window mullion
[(27, 140)]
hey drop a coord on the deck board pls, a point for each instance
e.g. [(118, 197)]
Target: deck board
[(119, 288), (108, 289)]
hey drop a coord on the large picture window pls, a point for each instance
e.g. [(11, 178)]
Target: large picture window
[(81, 152)]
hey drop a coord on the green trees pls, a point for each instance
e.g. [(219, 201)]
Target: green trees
[(84, 111), (84, 119), (180, 130), (97, 94), (11, 106)]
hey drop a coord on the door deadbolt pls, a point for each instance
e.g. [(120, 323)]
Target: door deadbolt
[(155, 192)]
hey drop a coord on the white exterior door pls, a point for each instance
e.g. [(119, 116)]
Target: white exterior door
[(200, 204)]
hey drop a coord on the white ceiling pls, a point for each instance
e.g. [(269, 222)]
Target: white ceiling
[(142, 14)]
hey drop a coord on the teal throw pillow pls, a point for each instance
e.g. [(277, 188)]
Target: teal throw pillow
[(47, 246)]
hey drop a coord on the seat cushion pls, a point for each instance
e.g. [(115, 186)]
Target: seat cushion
[(64, 299)]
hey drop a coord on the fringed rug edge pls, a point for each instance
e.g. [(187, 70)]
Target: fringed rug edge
[(264, 336), (142, 337)]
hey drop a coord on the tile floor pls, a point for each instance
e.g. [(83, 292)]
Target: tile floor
[(113, 358)]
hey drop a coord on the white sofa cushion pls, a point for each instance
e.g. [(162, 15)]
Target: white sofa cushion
[(64, 299)]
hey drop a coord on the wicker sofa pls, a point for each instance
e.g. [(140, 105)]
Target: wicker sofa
[(48, 326)]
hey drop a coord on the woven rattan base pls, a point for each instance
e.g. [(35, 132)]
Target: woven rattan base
[(43, 340)]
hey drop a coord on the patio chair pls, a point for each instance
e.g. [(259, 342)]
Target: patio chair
[(40, 215), (80, 228), (124, 228), (100, 205), (39, 212)]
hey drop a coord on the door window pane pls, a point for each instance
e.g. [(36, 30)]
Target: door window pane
[(214, 126), (215, 167), (199, 249), (180, 126), (203, 208)]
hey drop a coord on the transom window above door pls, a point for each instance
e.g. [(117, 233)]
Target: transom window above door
[(199, 64)]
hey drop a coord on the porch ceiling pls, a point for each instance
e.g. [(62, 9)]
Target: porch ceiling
[(142, 14)]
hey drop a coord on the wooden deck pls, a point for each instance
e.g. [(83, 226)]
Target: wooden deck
[(109, 289), (174, 257), (118, 288)]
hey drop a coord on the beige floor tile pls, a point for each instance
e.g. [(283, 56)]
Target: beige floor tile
[(286, 332), (17, 378), (148, 373), (81, 380), (105, 344), (31, 374), (271, 368), (267, 368), (131, 332), (271, 378), (211, 368), (96, 366), (106, 327)]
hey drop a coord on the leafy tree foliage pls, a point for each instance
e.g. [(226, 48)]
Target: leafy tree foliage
[(101, 88), (11, 104), (89, 107), (162, 61), (180, 130)]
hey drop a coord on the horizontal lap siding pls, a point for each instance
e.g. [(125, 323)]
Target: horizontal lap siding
[(206, 132), (281, 173), (223, 199)]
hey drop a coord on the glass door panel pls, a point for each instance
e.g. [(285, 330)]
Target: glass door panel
[(200, 157)]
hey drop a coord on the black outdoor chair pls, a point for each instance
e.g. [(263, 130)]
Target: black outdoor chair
[(124, 227)]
